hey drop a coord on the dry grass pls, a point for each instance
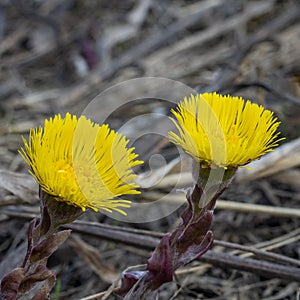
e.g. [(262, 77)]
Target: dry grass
[(57, 55)]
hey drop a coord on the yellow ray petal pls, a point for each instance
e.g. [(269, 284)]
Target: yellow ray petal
[(224, 130), (82, 163)]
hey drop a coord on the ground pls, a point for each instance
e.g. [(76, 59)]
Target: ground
[(57, 56)]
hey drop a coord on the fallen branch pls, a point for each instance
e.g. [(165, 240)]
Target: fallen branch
[(142, 240)]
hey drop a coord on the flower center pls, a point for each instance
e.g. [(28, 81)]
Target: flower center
[(66, 176), (232, 137)]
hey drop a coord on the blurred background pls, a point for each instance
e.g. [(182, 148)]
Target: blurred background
[(56, 56)]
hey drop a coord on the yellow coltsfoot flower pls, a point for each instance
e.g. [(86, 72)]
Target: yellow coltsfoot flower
[(81, 163), (224, 131)]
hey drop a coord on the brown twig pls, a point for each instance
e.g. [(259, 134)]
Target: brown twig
[(216, 258), (124, 236)]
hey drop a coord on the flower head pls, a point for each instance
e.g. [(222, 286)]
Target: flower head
[(81, 163), (224, 131)]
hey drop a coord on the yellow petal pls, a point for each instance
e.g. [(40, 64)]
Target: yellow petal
[(224, 130), (82, 163)]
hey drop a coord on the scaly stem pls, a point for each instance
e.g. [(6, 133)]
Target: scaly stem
[(189, 240)]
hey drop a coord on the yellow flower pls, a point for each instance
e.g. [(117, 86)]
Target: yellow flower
[(224, 131), (81, 163)]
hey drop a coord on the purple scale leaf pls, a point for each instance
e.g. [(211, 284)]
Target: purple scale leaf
[(196, 250), (48, 245), (40, 273), (10, 284), (160, 264), (128, 280)]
